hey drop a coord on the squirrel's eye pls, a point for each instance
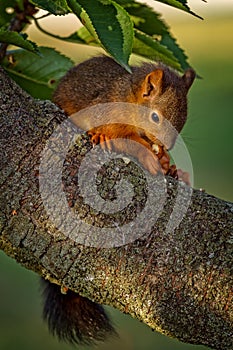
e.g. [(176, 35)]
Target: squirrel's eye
[(155, 117)]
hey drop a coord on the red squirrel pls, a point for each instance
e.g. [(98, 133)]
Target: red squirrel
[(101, 80)]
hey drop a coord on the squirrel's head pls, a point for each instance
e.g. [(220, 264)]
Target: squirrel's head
[(165, 93)]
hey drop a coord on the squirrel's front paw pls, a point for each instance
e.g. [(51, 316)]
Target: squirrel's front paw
[(183, 176), (96, 138), (179, 174), (100, 139)]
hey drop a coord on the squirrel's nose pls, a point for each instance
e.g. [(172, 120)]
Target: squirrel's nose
[(168, 138)]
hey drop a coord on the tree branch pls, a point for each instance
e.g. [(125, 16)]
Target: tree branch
[(179, 282)]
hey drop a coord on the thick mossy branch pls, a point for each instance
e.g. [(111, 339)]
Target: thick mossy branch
[(179, 282)]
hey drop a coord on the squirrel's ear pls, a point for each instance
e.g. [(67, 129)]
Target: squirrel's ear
[(188, 77), (152, 84)]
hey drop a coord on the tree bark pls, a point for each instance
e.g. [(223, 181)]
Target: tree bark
[(177, 281)]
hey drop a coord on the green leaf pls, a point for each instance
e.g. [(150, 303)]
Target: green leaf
[(148, 21), (171, 44), (109, 24), (82, 36), (38, 75), (179, 4), (145, 18), (17, 39), (56, 7), (146, 46)]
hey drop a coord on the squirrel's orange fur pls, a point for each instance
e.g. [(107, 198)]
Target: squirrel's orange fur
[(155, 86)]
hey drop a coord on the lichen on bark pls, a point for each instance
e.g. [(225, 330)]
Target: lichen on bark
[(178, 283)]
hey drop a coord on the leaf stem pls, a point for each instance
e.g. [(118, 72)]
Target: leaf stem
[(45, 31), (43, 16), (51, 34)]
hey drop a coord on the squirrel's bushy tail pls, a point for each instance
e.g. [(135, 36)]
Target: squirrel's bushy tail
[(74, 319)]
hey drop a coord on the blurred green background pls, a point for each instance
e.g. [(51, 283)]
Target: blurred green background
[(208, 135)]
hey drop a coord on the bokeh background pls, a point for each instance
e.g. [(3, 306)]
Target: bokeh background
[(209, 138)]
